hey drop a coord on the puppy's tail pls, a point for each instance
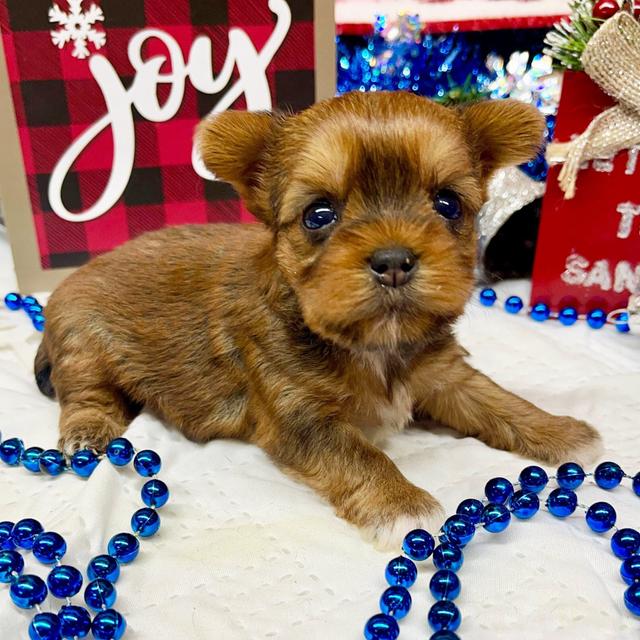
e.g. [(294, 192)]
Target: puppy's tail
[(42, 370)]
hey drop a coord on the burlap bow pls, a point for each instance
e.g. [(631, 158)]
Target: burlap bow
[(612, 60)]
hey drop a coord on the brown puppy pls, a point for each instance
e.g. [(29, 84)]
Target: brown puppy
[(329, 322)]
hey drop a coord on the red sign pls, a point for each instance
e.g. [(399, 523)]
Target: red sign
[(588, 250), (107, 94)]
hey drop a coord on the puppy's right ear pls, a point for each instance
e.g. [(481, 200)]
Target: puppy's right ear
[(233, 146)]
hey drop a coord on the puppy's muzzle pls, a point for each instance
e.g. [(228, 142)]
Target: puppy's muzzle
[(394, 266)]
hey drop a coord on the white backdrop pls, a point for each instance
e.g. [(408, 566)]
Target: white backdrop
[(245, 553)]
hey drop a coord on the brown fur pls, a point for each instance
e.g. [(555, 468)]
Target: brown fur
[(283, 338)]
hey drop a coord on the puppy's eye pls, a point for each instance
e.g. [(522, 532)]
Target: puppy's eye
[(319, 215), (447, 204)]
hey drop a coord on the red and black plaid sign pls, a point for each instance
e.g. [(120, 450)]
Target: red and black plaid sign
[(57, 98)]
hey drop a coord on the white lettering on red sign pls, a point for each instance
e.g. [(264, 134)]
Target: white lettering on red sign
[(579, 271), (142, 94)]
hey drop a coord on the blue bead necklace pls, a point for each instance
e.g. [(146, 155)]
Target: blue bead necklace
[(567, 316), (48, 547), (503, 500)]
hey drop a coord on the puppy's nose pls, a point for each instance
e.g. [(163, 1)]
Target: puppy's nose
[(393, 267)]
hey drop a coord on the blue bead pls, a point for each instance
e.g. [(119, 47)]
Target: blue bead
[(145, 522), (45, 626), (381, 627), (596, 318), (396, 602), (513, 304), (444, 615), (108, 625), (630, 570), (49, 547), (533, 478), (25, 531), (496, 518), (445, 585), (100, 593), (124, 547), (11, 563), (524, 504), (622, 323), (488, 297), (625, 543), (636, 484), (11, 451), (570, 475), (28, 300), (75, 622), (601, 517), (448, 556), (6, 541), (34, 309), (31, 459), (28, 591), (38, 322), (568, 316), (472, 509), (155, 493), (64, 581), (147, 463), (52, 462), (444, 635), (608, 475), (120, 452), (84, 462), (418, 544), (632, 599), (13, 301), (562, 502), (104, 566), (540, 312), (458, 530), (401, 572), (498, 490)]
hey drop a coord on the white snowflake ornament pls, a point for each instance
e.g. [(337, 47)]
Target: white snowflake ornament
[(77, 26)]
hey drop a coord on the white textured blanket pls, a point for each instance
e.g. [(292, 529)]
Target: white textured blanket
[(247, 553)]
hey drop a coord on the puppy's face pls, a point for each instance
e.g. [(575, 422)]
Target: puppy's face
[(372, 200)]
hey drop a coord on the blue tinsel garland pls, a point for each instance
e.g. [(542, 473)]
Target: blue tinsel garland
[(450, 68)]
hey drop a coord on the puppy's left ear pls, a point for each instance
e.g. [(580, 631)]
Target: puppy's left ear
[(503, 133), (233, 145)]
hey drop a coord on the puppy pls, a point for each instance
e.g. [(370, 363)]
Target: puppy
[(326, 326)]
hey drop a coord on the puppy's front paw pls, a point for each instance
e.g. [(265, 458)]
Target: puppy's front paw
[(390, 521), (388, 533), (589, 449), (94, 432), (564, 439), (71, 442)]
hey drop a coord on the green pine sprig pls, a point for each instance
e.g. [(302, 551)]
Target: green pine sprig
[(569, 38)]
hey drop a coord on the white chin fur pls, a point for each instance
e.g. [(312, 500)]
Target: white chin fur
[(388, 536)]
